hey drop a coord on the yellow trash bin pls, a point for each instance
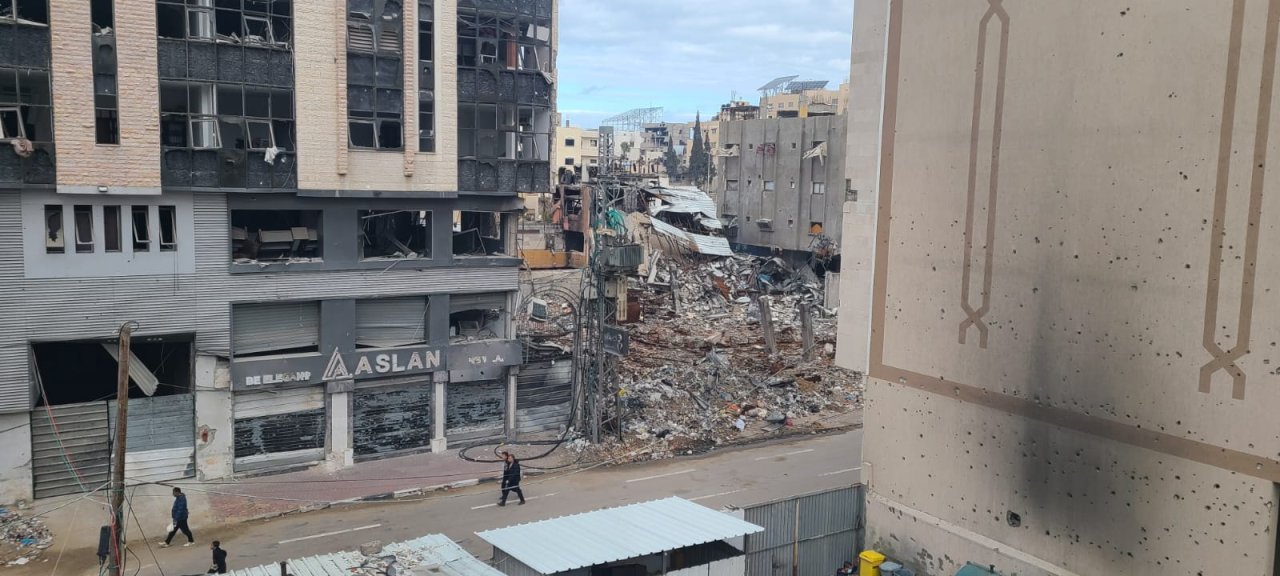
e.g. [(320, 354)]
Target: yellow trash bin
[(869, 562)]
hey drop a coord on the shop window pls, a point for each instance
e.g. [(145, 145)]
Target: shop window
[(478, 317), (75, 372), (479, 233), (54, 240), (275, 235), (395, 234), (141, 229), (111, 228), (84, 228)]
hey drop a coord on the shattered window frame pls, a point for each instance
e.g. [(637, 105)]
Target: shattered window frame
[(477, 239), (297, 235), (420, 229), (480, 320), (26, 105), (106, 96), (227, 21), (376, 94), (17, 15), (426, 77), (55, 230)]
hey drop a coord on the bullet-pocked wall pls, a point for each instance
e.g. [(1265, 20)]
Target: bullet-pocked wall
[(1072, 364)]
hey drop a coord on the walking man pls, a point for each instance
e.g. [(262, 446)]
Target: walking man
[(179, 514), (510, 478), (219, 565)]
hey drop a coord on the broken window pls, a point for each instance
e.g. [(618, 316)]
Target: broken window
[(141, 229), (275, 235), (478, 316), (105, 104), (479, 233), (76, 372), (426, 77), (54, 242), (375, 83), (395, 234), (25, 105), (25, 11), (261, 23), (168, 229), (84, 228), (111, 228)]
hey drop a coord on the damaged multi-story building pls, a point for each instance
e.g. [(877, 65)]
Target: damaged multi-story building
[(307, 208)]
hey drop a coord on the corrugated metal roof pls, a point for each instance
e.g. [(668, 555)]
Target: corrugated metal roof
[(434, 552), (700, 243), (685, 200), (612, 534)]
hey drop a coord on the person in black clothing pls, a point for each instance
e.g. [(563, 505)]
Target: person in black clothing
[(219, 558), (179, 515), (510, 478)]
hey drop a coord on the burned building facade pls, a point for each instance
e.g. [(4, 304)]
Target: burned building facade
[(780, 184), (294, 203)]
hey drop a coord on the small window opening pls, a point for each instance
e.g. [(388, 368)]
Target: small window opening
[(769, 185), (260, 135), (568, 142), (168, 228), (478, 234), (11, 125), (478, 317), (111, 228), (141, 229), (84, 228), (275, 235), (54, 243), (819, 187), (362, 134), (395, 234)]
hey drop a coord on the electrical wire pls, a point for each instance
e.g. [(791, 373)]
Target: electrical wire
[(133, 513)]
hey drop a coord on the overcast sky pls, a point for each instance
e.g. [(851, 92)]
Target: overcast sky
[(691, 55)]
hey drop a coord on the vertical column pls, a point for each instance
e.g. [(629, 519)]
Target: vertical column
[(341, 454), (513, 374), (215, 420), (438, 442)]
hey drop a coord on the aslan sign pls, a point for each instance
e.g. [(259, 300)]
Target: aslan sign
[(377, 363)]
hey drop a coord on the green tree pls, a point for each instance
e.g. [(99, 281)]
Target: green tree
[(671, 162), (699, 158)]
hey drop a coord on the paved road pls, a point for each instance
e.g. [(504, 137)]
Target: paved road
[(735, 477)]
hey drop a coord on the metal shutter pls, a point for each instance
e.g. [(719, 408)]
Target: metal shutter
[(486, 301), (386, 322), (391, 419), (76, 456), (161, 443), (275, 428), (475, 410), (543, 396), (260, 328)]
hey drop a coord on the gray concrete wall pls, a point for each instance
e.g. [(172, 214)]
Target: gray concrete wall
[(1074, 273), (792, 204), (15, 459)]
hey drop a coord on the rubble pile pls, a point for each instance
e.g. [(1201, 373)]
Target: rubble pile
[(699, 373), (21, 539)]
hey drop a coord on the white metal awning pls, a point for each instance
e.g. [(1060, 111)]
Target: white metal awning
[(613, 534)]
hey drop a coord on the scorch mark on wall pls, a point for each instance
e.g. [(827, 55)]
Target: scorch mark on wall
[(1226, 360), (976, 142)]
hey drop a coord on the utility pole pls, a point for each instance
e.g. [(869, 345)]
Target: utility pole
[(806, 329), (117, 471)]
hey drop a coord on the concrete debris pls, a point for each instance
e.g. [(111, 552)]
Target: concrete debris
[(698, 374), (21, 539)]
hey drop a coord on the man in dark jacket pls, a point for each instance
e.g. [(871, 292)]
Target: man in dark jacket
[(219, 558), (510, 478), (179, 514)]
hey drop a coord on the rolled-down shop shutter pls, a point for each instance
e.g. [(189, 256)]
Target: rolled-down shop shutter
[(279, 427), (391, 419), (74, 455), (475, 410), (272, 326), (543, 396), (161, 437), (387, 322)]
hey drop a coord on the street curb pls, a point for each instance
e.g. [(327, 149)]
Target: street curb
[(386, 496)]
